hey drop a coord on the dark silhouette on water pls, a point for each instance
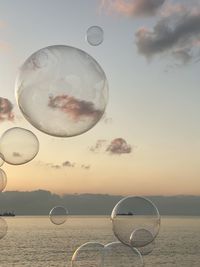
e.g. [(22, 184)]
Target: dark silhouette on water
[(7, 214)]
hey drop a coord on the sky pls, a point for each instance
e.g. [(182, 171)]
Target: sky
[(148, 141)]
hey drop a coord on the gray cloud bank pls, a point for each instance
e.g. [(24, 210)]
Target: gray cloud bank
[(177, 34), (41, 202)]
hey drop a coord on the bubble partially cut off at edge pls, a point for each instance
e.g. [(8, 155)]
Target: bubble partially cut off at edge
[(3, 228), (3, 180), (89, 254), (1, 160)]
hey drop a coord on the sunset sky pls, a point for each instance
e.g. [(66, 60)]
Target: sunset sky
[(151, 56)]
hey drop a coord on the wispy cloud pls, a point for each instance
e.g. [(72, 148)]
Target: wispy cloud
[(64, 165), (6, 110), (68, 164), (98, 146), (85, 167), (119, 146), (75, 108), (134, 8)]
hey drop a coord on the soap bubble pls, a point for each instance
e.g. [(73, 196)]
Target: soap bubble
[(18, 146), (3, 228), (3, 180), (62, 91), (89, 254), (58, 215), (139, 238), (117, 254), (132, 213), (95, 35), (1, 160)]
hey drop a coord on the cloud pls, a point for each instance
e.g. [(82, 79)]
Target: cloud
[(134, 8), (98, 146), (17, 155), (6, 110), (75, 108), (176, 34), (68, 164), (85, 167), (119, 146), (57, 167), (65, 164)]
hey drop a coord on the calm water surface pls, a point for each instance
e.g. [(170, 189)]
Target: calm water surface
[(36, 242)]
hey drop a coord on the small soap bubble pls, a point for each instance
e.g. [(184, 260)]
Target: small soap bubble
[(139, 238), (95, 35), (58, 215)]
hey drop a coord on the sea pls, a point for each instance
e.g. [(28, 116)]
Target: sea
[(36, 242)]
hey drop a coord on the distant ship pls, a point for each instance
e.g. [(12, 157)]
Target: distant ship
[(125, 214), (7, 214)]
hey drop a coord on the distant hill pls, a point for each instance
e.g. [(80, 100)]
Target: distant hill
[(41, 202)]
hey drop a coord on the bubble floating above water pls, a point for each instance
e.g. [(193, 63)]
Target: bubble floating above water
[(62, 91), (58, 215), (3, 228), (132, 213), (117, 254), (18, 146), (3, 180), (95, 35), (139, 238), (89, 254)]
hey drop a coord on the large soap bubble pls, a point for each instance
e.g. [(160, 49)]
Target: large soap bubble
[(3, 228), (62, 91), (89, 254), (117, 254), (139, 238), (132, 213), (18, 146), (58, 215), (95, 35), (3, 180)]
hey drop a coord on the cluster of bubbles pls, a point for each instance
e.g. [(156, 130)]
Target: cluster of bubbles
[(63, 91), (135, 223)]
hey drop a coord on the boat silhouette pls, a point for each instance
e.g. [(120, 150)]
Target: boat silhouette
[(7, 214)]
